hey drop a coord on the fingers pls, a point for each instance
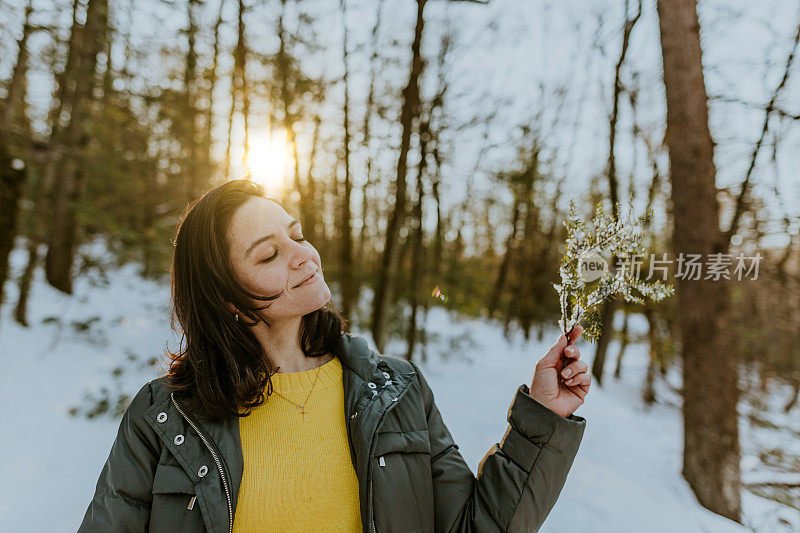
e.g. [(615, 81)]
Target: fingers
[(575, 333), (574, 369), (572, 352), (555, 352), (582, 381)]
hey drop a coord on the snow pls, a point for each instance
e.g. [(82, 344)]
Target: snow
[(626, 476)]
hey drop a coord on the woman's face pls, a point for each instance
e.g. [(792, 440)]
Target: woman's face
[(269, 256)]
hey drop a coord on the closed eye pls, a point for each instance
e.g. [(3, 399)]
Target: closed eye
[(273, 256)]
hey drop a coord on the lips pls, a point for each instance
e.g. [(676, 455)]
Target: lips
[(306, 279)]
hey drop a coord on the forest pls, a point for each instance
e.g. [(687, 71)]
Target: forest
[(431, 150)]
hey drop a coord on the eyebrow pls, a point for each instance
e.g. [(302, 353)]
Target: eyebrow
[(271, 236)]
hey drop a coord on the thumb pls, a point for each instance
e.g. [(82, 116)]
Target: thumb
[(555, 352)]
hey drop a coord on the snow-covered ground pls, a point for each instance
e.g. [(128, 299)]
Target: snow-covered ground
[(626, 477)]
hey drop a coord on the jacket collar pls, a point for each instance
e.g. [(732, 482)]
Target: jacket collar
[(356, 355)]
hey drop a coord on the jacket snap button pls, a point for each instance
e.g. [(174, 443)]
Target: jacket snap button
[(178, 440), (394, 399), (162, 417), (355, 414), (374, 393), (203, 471), (386, 375), (371, 385)]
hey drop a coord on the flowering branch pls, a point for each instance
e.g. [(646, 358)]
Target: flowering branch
[(582, 264)]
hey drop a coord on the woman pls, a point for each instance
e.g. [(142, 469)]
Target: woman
[(273, 418)]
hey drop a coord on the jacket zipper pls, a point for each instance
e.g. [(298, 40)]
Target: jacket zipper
[(380, 424), (216, 460)]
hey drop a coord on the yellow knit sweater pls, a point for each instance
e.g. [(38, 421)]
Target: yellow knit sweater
[(298, 475)]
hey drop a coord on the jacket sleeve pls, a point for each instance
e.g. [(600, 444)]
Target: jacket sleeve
[(519, 479), (122, 498)]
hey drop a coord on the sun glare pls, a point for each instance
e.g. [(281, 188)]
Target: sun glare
[(269, 159)]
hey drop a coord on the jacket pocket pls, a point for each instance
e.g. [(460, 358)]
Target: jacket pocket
[(175, 507), (403, 488), (402, 441)]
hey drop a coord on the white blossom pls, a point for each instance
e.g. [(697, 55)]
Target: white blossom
[(618, 238)]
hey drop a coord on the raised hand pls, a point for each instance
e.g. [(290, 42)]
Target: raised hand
[(547, 387)]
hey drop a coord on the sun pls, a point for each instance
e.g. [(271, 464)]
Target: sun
[(268, 159)]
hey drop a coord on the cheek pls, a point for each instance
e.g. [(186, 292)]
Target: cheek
[(315, 256), (262, 279)]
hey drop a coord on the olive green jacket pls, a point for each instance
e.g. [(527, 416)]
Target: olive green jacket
[(168, 472)]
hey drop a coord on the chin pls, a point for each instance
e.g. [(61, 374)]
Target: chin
[(318, 299)]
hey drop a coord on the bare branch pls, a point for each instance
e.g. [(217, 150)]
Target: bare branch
[(730, 99), (740, 201)]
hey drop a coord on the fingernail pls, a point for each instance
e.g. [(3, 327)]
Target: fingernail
[(570, 350), (566, 372)]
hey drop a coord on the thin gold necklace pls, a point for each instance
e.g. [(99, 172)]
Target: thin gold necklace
[(302, 407)]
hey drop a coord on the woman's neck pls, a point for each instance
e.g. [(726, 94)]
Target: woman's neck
[(281, 342), (295, 364)]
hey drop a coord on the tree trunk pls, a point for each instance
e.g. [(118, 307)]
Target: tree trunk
[(63, 231), (11, 181), (795, 393), (500, 282), (239, 93), (417, 248), (349, 292), (607, 320), (610, 306), (240, 67), (624, 340), (12, 176), (367, 136), (16, 86), (189, 132), (434, 128), (308, 207), (284, 68), (654, 357), (211, 83), (389, 260), (21, 309), (529, 249), (711, 439)]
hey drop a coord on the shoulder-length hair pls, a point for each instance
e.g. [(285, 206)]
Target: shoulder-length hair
[(222, 367)]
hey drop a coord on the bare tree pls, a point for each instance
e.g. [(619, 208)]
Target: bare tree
[(48, 155), (769, 110), (366, 135), (188, 118), (390, 258), (711, 439), (505, 262), (211, 83), (610, 306), (349, 292), (417, 271), (240, 90), (12, 171), (89, 39), (308, 211)]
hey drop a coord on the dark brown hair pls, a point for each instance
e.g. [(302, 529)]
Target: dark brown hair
[(223, 368)]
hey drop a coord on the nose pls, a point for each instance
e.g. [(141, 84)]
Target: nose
[(302, 254)]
